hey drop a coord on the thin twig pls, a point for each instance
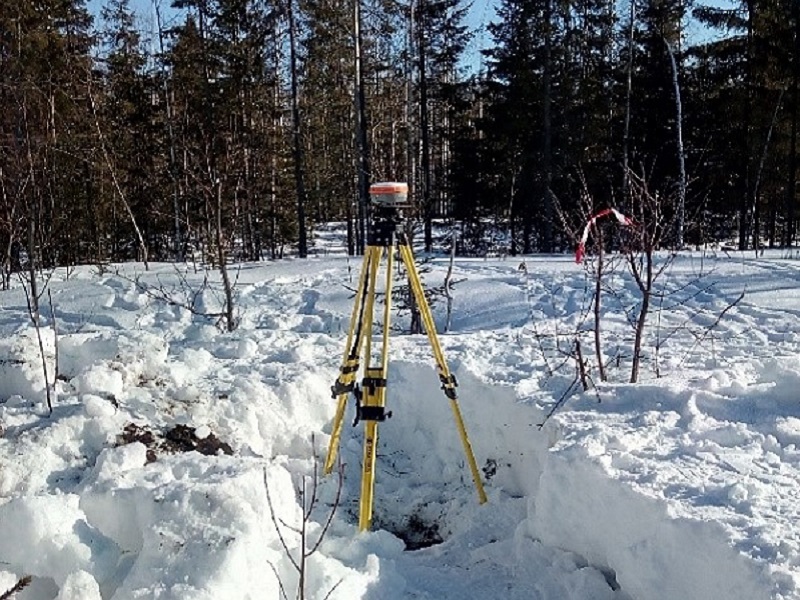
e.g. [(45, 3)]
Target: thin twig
[(709, 330), (280, 581), (274, 519), (18, 587), (336, 501), (333, 589), (55, 333), (564, 397)]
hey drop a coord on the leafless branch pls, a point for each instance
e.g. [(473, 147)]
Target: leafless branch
[(18, 587), (309, 500), (708, 330), (560, 402), (280, 581), (274, 518)]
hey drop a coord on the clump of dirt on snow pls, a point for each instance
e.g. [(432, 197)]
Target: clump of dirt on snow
[(180, 438)]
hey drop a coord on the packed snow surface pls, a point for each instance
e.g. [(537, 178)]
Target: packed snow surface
[(182, 462)]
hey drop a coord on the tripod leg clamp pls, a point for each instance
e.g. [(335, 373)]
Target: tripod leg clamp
[(449, 385), (372, 413), (370, 400), (346, 380)]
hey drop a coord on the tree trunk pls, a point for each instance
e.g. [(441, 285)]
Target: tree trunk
[(680, 211), (362, 150), (628, 90), (744, 203), (299, 176), (546, 243), (791, 187), (637, 342), (222, 259), (178, 244), (598, 288), (756, 209), (425, 139)]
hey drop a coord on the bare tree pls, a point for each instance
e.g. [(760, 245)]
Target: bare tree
[(755, 221), (299, 174), (178, 248), (652, 225), (33, 297), (222, 263), (186, 295), (628, 93), (362, 148), (680, 209), (448, 282), (309, 503), (596, 269)]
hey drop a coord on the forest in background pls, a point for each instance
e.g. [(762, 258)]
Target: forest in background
[(236, 126)]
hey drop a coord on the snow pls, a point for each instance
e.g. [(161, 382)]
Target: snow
[(179, 460)]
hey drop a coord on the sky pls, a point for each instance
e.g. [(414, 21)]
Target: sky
[(480, 14), (173, 460)]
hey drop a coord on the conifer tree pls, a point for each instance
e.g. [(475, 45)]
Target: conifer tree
[(441, 38), (523, 84), (124, 119), (328, 106), (749, 81), (45, 49)]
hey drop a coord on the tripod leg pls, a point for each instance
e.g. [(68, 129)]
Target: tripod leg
[(448, 380), (372, 411), (373, 408), (369, 300), (349, 369)]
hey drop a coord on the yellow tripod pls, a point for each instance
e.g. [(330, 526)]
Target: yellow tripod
[(384, 237)]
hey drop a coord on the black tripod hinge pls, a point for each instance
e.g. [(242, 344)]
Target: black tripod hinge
[(372, 413), (340, 387), (373, 383), (369, 411), (449, 385)]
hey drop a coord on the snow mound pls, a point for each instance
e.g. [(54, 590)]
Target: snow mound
[(683, 486)]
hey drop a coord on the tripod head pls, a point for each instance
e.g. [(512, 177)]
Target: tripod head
[(387, 201)]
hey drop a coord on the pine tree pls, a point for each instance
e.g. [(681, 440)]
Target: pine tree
[(328, 107), (653, 148), (124, 118), (751, 71), (524, 89), (441, 38), (45, 49)]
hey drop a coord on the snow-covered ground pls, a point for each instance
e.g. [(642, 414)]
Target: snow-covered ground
[(683, 486)]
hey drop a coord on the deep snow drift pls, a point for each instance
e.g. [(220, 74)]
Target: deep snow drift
[(683, 486)]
